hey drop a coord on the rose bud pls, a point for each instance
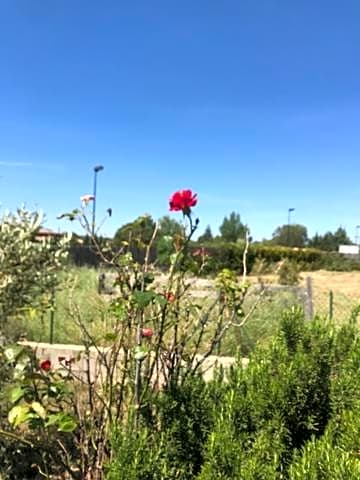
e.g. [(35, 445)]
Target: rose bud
[(45, 365), (170, 297), (147, 332)]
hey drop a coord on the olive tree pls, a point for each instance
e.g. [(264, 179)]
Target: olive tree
[(29, 264)]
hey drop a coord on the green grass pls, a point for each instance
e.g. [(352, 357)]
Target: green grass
[(262, 323), (77, 294)]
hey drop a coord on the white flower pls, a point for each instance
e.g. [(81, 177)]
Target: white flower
[(85, 199)]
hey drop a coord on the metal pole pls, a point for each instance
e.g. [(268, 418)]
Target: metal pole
[(288, 225), (94, 204), (97, 169)]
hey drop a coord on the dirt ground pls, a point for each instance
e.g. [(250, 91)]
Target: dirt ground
[(345, 283)]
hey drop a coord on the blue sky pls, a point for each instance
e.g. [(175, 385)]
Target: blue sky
[(255, 105)]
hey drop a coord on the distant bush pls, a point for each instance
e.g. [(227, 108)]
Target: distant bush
[(338, 262), (230, 255), (289, 273)]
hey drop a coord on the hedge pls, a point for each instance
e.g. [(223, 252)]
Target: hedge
[(230, 255)]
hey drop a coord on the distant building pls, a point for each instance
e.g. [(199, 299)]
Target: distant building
[(47, 233), (349, 249)]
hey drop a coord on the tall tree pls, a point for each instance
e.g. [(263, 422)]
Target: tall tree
[(207, 236), (294, 235), (30, 265), (138, 232), (232, 229), (330, 241), (169, 227)]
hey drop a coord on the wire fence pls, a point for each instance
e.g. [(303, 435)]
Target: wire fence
[(326, 303), (315, 299), (335, 306)]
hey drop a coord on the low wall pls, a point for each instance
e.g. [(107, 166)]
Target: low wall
[(72, 357)]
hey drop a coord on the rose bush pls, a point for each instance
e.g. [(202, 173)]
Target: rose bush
[(156, 337)]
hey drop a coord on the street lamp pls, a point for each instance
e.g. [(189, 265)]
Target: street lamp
[(357, 239), (97, 169), (288, 225)]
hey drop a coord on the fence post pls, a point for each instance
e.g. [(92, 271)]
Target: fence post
[(52, 316), (331, 304), (309, 311)]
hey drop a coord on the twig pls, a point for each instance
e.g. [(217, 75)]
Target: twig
[(13, 436), (245, 255)]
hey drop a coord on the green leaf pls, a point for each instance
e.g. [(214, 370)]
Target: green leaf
[(160, 299), (39, 409), (18, 415), (53, 419), (64, 422), (110, 337), (173, 258), (143, 299), (11, 353), (67, 424), (149, 278), (19, 369), (140, 353), (15, 394)]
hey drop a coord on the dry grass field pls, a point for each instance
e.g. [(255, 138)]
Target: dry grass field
[(345, 287), (346, 292), (344, 283)]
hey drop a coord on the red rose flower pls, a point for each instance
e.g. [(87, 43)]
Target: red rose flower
[(45, 365), (147, 332), (183, 200)]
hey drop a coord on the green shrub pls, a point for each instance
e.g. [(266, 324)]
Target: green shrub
[(289, 273), (170, 444), (319, 460), (292, 412), (345, 387), (335, 455)]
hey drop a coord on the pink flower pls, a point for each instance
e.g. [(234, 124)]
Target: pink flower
[(147, 332), (183, 200)]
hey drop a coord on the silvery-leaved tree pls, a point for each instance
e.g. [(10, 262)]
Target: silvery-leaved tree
[(29, 265)]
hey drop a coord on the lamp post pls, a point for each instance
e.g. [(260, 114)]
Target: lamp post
[(357, 238), (97, 169), (288, 225)]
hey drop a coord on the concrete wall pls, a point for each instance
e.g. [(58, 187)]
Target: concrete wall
[(72, 357)]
